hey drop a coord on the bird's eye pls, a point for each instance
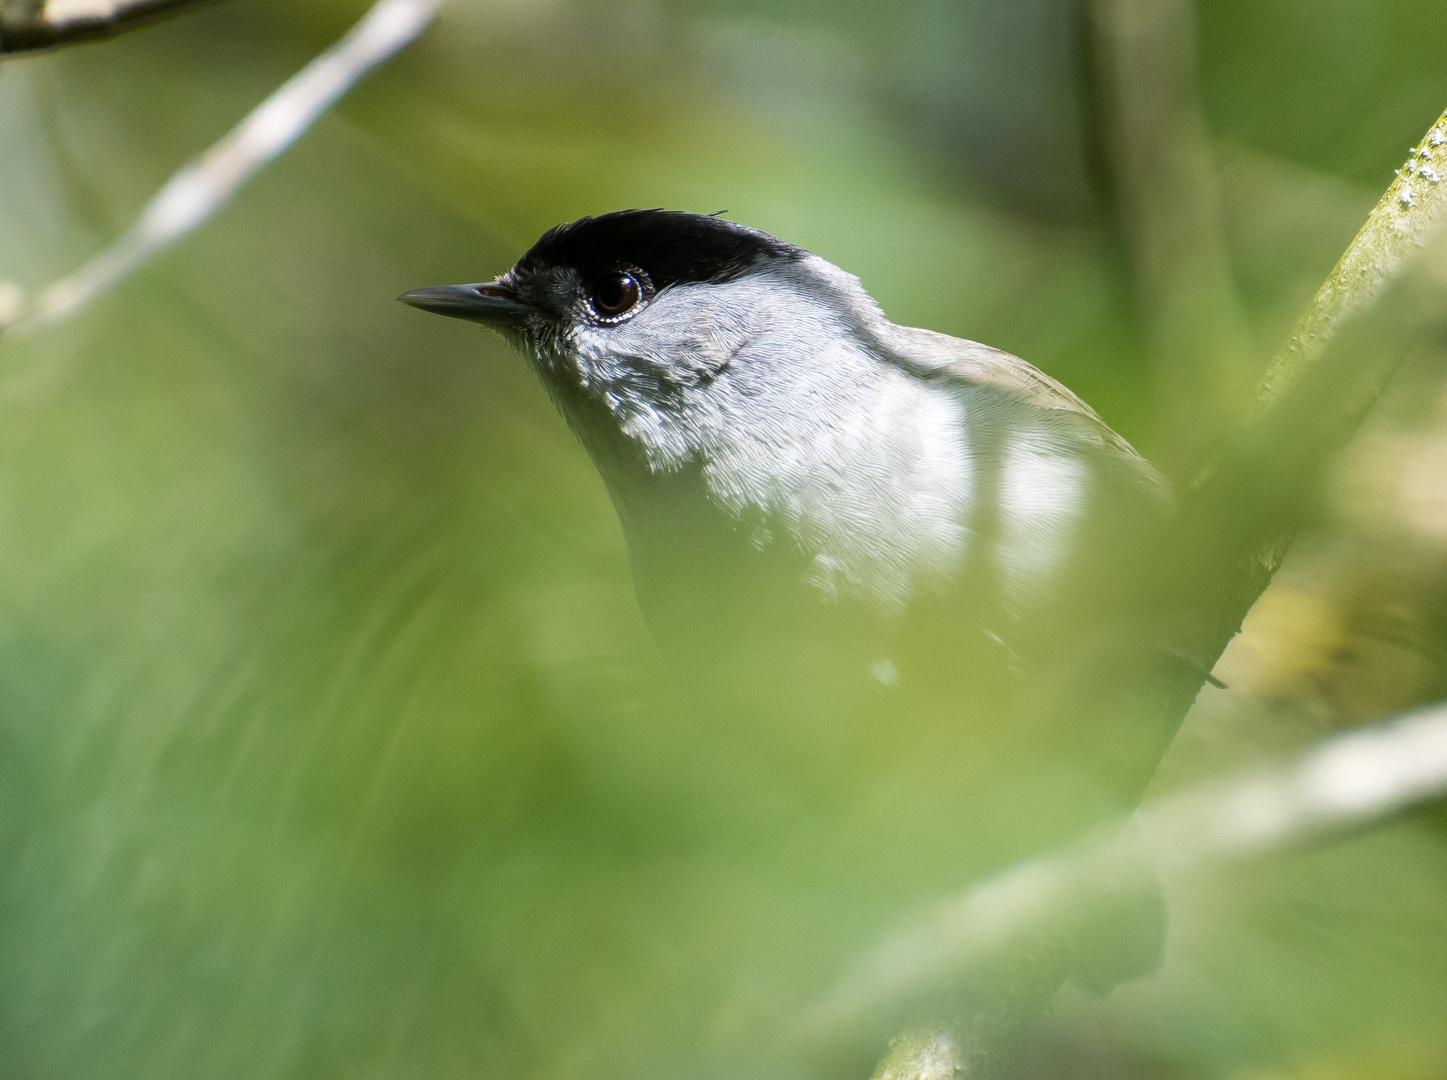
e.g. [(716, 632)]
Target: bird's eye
[(615, 294)]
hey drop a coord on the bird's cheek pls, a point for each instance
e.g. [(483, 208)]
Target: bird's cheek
[(701, 359)]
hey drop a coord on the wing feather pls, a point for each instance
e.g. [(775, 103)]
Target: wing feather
[(975, 364)]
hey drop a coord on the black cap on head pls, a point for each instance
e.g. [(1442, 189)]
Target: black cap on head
[(670, 246)]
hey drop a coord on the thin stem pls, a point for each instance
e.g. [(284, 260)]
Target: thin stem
[(1342, 783), (1395, 231), (69, 22), (1165, 190), (204, 186)]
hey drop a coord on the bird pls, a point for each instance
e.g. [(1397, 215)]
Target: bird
[(894, 539), (765, 431)]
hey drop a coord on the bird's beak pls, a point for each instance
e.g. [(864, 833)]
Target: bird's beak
[(488, 302)]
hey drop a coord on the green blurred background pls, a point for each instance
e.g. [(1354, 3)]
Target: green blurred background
[(331, 741)]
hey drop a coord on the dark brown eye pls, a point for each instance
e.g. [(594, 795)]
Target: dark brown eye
[(614, 294)]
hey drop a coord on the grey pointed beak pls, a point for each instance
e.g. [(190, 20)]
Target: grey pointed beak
[(487, 302)]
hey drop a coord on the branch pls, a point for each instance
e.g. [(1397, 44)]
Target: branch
[(1184, 594), (1319, 387), (1397, 229), (1164, 176), (29, 27), (1340, 784), (204, 186)]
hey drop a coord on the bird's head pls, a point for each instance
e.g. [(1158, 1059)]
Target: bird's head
[(637, 313), (629, 288)]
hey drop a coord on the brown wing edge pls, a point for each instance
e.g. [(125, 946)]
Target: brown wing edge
[(974, 364)]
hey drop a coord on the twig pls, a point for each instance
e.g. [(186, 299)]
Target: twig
[(1342, 783), (1396, 230), (201, 188), (1165, 190), (29, 27)]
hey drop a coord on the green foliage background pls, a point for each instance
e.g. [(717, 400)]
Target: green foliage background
[(331, 741)]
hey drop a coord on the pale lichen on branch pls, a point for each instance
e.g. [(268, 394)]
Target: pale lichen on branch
[(1400, 226)]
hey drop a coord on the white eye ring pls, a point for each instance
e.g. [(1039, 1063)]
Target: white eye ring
[(614, 296)]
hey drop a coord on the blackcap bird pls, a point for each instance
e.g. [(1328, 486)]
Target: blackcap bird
[(773, 443), (845, 512)]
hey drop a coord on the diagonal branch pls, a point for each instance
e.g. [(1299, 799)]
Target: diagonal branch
[(28, 26), (1313, 397), (1400, 226), (1341, 784), (205, 185), (1191, 589)]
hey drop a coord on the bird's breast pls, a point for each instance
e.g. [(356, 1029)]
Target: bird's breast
[(876, 495)]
